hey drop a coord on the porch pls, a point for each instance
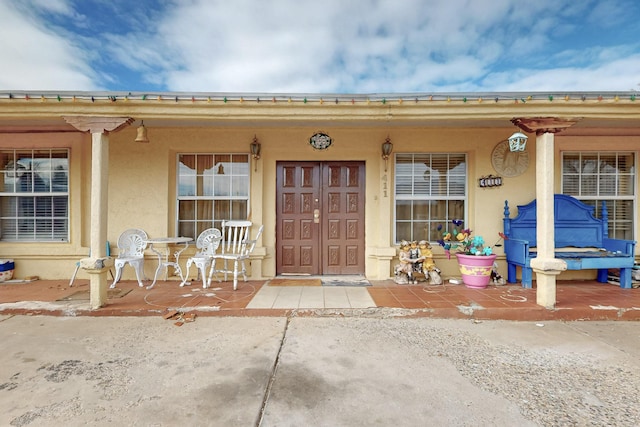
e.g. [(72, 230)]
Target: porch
[(577, 300)]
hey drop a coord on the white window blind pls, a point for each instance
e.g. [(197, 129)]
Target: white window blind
[(34, 197), (430, 191), (594, 177)]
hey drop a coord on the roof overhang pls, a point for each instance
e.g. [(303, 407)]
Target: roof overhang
[(599, 113)]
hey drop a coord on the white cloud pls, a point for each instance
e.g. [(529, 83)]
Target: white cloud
[(325, 46), (320, 46), (36, 58), (618, 75)]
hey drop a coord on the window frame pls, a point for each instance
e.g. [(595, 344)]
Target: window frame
[(23, 166), (235, 172), (449, 197), (615, 230)]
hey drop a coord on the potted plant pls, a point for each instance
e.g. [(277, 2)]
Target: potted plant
[(475, 259)]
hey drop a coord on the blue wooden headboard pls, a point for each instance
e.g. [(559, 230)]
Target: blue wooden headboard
[(575, 224)]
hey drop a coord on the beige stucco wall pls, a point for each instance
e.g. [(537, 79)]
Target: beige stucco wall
[(142, 185)]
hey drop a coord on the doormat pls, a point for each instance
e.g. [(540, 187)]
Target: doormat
[(84, 295), (345, 281), (294, 282)]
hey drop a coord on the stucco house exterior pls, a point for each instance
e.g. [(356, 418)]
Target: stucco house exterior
[(316, 177)]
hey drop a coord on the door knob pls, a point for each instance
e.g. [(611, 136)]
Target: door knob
[(316, 216)]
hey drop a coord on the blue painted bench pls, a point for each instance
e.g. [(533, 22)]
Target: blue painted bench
[(576, 227)]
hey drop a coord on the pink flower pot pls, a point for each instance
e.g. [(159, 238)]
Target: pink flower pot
[(476, 270)]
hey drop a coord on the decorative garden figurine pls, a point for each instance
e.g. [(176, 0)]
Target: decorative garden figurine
[(496, 277), (426, 257), (404, 270), (428, 266)]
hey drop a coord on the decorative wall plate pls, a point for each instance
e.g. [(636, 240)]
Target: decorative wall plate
[(320, 141), (509, 163)]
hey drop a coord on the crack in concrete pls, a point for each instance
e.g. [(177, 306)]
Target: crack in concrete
[(272, 377)]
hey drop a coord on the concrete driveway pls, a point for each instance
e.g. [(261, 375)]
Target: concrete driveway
[(316, 371)]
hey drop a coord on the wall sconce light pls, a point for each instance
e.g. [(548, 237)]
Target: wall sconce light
[(518, 142), (387, 148), (142, 133), (255, 151)]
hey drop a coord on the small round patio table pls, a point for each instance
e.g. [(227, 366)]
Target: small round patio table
[(163, 255)]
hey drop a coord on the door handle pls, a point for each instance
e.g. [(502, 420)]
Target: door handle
[(316, 216)]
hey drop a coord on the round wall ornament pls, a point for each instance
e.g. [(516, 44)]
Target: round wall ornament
[(509, 163), (320, 141)]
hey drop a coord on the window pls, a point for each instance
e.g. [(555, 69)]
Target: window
[(211, 188), (594, 177), (430, 191), (34, 202)]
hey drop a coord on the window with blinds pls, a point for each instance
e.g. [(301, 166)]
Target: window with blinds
[(211, 188), (430, 191), (594, 177), (34, 200)]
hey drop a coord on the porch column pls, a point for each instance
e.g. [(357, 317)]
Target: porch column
[(545, 264), (98, 264)]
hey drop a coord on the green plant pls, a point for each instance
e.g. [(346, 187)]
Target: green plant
[(460, 240)]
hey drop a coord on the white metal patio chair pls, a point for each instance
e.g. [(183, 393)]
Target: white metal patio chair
[(207, 245), (237, 247), (131, 246), (75, 272)]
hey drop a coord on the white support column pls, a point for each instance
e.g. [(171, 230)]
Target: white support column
[(98, 264), (545, 264), (99, 215)]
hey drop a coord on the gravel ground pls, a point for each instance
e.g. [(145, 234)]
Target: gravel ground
[(551, 387)]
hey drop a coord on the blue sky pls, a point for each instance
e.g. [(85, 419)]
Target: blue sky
[(320, 46)]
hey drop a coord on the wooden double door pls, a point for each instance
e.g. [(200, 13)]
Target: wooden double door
[(320, 218)]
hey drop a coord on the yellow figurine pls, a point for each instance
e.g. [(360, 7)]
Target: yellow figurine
[(428, 265)]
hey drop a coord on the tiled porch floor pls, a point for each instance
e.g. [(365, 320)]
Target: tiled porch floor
[(575, 300)]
